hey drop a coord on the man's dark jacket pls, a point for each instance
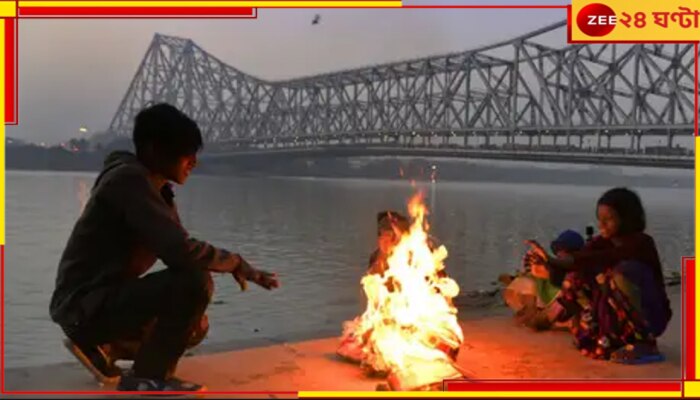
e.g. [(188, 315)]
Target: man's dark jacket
[(127, 224)]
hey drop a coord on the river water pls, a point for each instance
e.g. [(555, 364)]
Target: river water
[(317, 234)]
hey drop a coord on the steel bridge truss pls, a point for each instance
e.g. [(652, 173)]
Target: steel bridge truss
[(518, 87)]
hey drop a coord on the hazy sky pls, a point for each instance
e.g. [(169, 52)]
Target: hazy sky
[(75, 72)]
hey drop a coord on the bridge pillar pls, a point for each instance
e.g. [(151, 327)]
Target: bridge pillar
[(639, 142), (609, 140), (487, 142), (539, 139), (670, 140), (631, 136)]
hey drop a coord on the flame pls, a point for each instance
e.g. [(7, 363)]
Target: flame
[(410, 323)]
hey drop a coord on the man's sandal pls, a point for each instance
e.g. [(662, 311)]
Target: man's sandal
[(96, 361)]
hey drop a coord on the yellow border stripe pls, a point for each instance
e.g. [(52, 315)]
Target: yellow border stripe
[(485, 394), (259, 4), (2, 135), (8, 9), (691, 388)]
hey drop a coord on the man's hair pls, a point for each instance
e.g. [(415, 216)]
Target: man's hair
[(629, 208), (172, 133)]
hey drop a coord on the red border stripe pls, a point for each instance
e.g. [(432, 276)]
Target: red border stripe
[(568, 23), (10, 71), (579, 386), (134, 11), (689, 267)]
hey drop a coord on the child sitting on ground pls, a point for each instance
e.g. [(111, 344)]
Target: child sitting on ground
[(532, 294)]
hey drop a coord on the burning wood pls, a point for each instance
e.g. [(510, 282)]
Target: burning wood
[(409, 331)]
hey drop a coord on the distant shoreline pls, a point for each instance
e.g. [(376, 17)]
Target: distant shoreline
[(415, 168)]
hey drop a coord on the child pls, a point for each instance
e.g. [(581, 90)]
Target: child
[(614, 287), (532, 295)]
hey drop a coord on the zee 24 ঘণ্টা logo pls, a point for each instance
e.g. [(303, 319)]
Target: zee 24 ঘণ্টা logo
[(598, 20)]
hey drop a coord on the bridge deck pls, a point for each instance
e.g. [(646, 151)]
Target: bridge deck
[(663, 161)]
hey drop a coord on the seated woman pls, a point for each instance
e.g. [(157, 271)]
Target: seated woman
[(614, 287)]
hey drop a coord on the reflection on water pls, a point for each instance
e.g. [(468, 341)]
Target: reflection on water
[(317, 234)]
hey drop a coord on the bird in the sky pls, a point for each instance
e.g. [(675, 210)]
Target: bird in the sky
[(316, 20)]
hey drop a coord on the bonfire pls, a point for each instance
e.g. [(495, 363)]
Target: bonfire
[(409, 331)]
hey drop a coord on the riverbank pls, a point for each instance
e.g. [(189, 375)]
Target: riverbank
[(494, 348), (420, 168)]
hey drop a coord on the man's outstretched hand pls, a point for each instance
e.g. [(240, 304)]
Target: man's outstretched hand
[(267, 280), (245, 273)]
